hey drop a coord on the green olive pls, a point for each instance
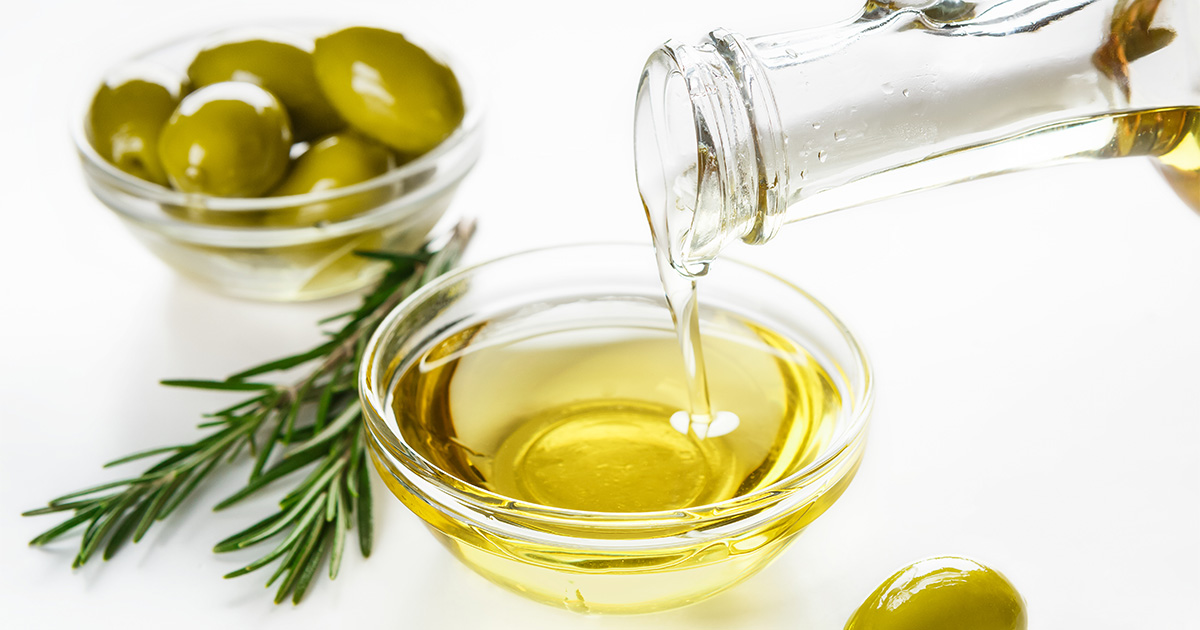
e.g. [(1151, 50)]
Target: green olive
[(282, 69), (388, 88), (946, 593), (227, 139), (335, 161), (124, 121)]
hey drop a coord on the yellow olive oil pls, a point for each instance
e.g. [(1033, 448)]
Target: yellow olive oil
[(596, 418), (1179, 157)]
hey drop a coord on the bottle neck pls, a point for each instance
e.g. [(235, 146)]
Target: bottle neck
[(735, 137)]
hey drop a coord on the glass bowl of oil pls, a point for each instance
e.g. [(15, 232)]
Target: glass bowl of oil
[(531, 411), (255, 247)]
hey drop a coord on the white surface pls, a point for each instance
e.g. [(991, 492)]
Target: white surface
[(1036, 340)]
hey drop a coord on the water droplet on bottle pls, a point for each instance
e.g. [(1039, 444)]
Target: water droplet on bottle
[(887, 88), (839, 135), (821, 155), (816, 125), (790, 53), (905, 92), (803, 173)]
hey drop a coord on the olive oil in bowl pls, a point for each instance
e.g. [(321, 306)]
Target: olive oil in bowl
[(593, 419), (534, 412)]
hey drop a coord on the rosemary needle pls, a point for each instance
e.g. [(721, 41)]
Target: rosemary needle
[(312, 423)]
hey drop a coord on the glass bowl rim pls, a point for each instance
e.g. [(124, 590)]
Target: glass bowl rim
[(467, 132), (480, 498)]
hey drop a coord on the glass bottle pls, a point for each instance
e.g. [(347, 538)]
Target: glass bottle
[(735, 136)]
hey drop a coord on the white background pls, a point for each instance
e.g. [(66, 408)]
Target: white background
[(1036, 341)]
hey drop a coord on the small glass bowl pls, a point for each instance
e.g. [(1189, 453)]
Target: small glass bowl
[(221, 242), (608, 562)]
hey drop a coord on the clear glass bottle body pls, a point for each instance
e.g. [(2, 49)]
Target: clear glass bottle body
[(735, 137)]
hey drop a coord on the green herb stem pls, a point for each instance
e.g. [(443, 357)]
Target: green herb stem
[(312, 423)]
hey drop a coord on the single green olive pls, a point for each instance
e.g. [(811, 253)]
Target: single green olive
[(335, 161), (945, 593), (124, 121), (281, 69), (227, 139), (388, 88)]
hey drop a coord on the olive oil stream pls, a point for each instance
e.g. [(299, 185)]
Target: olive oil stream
[(1171, 135)]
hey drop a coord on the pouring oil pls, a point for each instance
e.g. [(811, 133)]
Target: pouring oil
[(581, 418), (1170, 135)]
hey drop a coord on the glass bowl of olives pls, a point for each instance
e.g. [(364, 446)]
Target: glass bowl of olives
[(258, 160)]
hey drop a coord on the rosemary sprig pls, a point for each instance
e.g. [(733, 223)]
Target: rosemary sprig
[(315, 421)]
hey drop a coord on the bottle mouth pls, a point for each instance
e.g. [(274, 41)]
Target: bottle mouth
[(667, 143), (709, 150)]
